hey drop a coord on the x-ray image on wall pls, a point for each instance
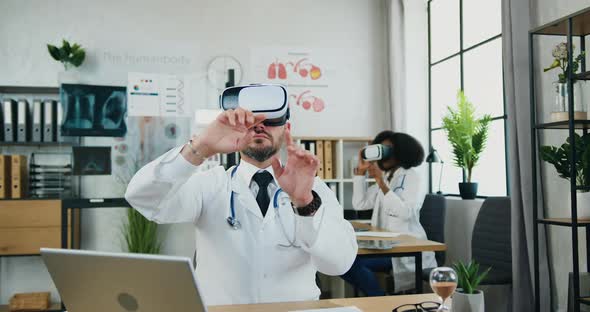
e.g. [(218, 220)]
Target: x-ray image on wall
[(93, 160), (93, 110)]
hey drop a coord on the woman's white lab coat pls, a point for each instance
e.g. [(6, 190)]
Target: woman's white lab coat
[(245, 265), (396, 211)]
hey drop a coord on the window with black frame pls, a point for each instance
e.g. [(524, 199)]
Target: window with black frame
[(465, 53)]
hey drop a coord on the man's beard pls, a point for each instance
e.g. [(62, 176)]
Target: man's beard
[(260, 154)]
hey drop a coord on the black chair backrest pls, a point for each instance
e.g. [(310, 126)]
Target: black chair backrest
[(490, 243), (432, 218)]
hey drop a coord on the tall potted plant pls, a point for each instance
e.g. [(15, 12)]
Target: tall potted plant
[(560, 158), (140, 234), (468, 298), (467, 135)]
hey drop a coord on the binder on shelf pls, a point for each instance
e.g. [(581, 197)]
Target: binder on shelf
[(328, 165), (58, 121), (18, 174), (9, 116), (320, 155), (49, 117), (22, 128), (5, 176), (37, 125), (312, 147)]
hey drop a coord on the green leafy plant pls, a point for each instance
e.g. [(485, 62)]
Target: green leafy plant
[(560, 61), (559, 157), (68, 54), (467, 134), (141, 235), (469, 276)]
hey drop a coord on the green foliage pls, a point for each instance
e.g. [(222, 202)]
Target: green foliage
[(141, 235), (67, 54), (559, 157), (466, 134), (469, 276)]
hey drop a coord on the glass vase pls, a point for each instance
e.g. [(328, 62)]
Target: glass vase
[(561, 107)]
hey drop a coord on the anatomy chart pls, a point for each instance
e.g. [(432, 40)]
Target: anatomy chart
[(303, 72)]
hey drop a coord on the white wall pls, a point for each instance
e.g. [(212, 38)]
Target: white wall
[(116, 33), (556, 189)]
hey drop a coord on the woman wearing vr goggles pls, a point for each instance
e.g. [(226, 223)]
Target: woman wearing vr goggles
[(396, 199)]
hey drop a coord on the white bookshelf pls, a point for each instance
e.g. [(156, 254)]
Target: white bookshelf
[(344, 149)]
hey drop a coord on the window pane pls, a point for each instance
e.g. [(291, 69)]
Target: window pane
[(444, 28), (490, 172), (451, 174), (481, 20), (446, 81), (483, 78)]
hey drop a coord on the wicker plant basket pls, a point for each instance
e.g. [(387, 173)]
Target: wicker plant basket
[(38, 301)]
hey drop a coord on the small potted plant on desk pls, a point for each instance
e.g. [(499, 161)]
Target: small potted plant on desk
[(468, 298), (467, 136)]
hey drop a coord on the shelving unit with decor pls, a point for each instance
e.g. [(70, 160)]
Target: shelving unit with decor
[(344, 158), (570, 27), (27, 224)]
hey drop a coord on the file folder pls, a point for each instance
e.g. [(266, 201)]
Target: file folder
[(9, 106), (58, 122), (49, 121), (37, 127), (22, 129), (328, 166), (4, 176), (320, 154), (19, 176)]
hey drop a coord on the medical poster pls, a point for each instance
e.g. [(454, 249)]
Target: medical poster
[(306, 75), (157, 95), (328, 87)]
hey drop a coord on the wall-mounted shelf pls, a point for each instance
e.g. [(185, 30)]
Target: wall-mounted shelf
[(564, 125), (40, 144), (29, 90), (564, 221), (580, 25)]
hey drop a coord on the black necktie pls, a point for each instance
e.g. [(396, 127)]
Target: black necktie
[(263, 179)]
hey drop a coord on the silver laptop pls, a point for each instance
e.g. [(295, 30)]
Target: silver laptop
[(90, 281)]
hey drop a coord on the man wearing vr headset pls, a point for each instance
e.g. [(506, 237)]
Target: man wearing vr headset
[(396, 199), (263, 228)]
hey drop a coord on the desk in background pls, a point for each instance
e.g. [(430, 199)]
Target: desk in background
[(408, 246)]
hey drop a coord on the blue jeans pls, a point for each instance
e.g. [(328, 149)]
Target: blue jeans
[(362, 276)]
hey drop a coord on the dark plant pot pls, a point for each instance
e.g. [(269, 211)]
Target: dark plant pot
[(468, 190)]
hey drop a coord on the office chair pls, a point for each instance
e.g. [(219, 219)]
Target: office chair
[(432, 218), (490, 243)]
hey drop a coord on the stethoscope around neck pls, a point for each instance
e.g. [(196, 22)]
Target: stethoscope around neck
[(233, 221)]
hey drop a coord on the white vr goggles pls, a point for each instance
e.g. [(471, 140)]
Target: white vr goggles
[(377, 152), (268, 99)]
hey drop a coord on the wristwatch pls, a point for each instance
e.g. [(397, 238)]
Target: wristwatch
[(311, 209)]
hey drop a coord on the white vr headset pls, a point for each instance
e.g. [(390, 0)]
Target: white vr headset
[(268, 99), (377, 152)]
